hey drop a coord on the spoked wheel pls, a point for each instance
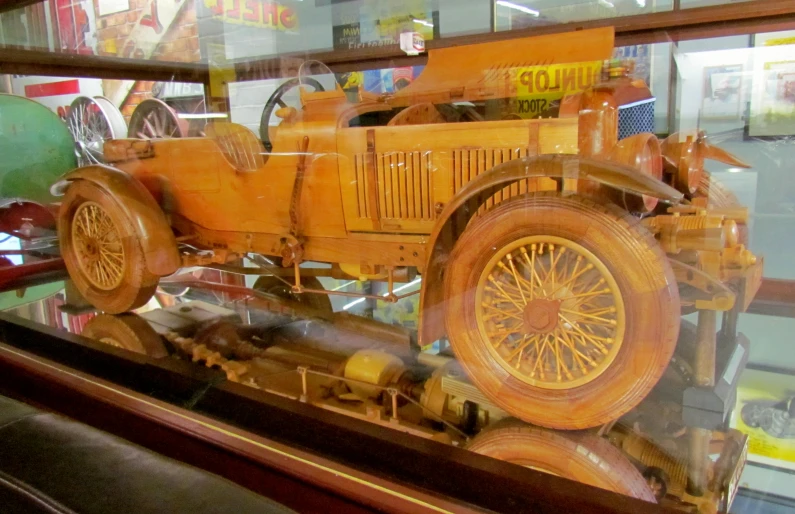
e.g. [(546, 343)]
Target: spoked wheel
[(154, 119), (128, 331), (101, 250), (276, 101), (579, 456), (274, 286), (564, 312), (92, 121)]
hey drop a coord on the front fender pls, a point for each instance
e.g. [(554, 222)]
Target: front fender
[(138, 204), (456, 214)]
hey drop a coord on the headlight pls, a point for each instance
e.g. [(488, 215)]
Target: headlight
[(684, 160), (642, 152)]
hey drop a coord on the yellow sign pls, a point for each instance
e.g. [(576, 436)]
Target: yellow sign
[(254, 13), (764, 412), (780, 41), (538, 86)]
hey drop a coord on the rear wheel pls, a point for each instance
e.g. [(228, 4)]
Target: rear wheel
[(101, 250), (579, 456), (128, 331), (563, 311)]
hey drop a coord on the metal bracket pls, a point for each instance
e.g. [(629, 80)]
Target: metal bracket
[(715, 295)]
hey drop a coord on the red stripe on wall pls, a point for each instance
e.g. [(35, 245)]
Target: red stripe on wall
[(65, 87)]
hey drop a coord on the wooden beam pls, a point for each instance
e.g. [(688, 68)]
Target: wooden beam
[(686, 24), (776, 297), (19, 61), (11, 5)]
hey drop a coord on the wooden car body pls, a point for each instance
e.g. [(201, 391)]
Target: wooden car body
[(424, 180)]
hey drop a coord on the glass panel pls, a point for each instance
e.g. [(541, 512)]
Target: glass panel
[(523, 13), (687, 4), (204, 30), (539, 229), (734, 88)]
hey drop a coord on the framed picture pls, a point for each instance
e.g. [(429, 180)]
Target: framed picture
[(765, 411), (722, 92)]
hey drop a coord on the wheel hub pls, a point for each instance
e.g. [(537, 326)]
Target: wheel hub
[(541, 316), (98, 246), (550, 312)]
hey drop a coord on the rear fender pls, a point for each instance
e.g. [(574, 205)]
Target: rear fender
[(456, 214), (138, 204)]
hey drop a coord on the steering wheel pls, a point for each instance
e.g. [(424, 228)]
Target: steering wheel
[(276, 100)]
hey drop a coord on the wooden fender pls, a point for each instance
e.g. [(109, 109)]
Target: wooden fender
[(457, 213), (139, 206)]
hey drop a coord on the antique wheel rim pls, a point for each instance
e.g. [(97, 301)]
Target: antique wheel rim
[(111, 341), (154, 119), (98, 246), (550, 312), (536, 467)]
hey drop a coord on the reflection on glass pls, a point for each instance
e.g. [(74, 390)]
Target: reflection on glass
[(518, 14)]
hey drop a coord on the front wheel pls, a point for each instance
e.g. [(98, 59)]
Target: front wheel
[(579, 456), (128, 331), (101, 250), (563, 311)]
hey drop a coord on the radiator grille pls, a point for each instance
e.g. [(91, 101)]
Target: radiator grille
[(403, 186), (468, 164), (636, 118)]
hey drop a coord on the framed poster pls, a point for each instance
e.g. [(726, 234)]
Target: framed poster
[(773, 112), (765, 411), (772, 109), (722, 92)]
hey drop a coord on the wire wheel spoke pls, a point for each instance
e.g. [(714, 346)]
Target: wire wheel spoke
[(550, 311), (98, 246)]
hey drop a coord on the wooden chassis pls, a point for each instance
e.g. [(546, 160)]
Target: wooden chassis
[(380, 469)]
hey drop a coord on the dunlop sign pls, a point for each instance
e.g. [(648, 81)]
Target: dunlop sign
[(538, 86)]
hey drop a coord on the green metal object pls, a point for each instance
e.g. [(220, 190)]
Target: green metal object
[(12, 299), (37, 149)]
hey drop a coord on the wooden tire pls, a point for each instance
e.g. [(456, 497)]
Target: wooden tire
[(629, 281), (128, 331), (109, 270), (272, 285), (720, 197), (579, 456)]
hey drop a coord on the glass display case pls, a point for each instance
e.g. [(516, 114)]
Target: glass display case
[(554, 234)]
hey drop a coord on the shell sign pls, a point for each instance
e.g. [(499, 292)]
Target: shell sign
[(254, 13)]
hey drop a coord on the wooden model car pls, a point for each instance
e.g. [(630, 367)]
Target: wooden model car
[(552, 250)]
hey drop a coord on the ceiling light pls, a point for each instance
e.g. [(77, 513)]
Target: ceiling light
[(734, 170), (641, 3), (423, 22), (607, 3), (511, 5)]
